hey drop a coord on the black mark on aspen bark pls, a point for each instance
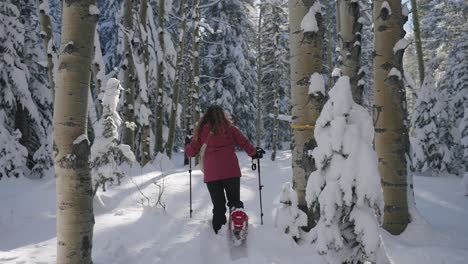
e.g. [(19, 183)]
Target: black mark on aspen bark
[(70, 48), (85, 246)]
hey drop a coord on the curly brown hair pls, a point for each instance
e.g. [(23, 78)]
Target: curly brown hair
[(216, 117)]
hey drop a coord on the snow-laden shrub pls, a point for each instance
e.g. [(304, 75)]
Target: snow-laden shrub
[(346, 183), (287, 216), (106, 153)]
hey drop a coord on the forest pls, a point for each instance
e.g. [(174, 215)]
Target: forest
[(361, 106)]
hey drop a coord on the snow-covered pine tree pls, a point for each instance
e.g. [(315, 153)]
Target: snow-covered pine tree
[(275, 73), (20, 115), (455, 81), (430, 155), (288, 217), (346, 183), (229, 72), (108, 25), (106, 153), (38, 140)]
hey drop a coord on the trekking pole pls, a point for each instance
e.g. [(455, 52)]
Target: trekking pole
[(190, 174), (260, 186)]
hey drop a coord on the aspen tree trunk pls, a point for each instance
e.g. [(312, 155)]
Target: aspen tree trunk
[(128, 137), (195, 76), (391, 138), (46, 27), (417, 38), (349, 42), (276, 93), (189, 112), (160, 97), (145, 130), (97, 71), (306, 58), (259, 78), (190, 101), (75, 218), (178, 77), (329, 46)]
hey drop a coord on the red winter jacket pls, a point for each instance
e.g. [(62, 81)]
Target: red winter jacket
[(220, 157)]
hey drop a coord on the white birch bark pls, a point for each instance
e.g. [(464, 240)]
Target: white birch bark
[(391, 137), (349, 43), (145, 155), (160, 97), (306, 50), (48, 40), (178, 78), (75, 219), (128, 137)]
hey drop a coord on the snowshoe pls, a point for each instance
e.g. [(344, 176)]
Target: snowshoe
[(238, 225)]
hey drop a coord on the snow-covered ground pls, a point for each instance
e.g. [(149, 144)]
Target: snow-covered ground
[(128, 232)]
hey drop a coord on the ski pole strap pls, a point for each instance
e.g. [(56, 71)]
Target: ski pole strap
[(302, 126)]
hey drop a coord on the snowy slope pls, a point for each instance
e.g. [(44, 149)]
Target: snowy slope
[(127, 232)]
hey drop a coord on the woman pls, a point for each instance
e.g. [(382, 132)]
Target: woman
[(221, 167)]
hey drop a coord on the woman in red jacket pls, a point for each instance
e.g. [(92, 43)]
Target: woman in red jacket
[(221, 167)]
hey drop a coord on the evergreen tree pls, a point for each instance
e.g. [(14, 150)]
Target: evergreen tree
[(106, 153), (429, 153), (456, 83), (23, 93), (38, 139), (228, 72), (108, 26), (288, 217), (275, 76), (346, 183)]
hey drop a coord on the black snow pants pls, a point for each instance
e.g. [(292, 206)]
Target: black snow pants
[(217, 189)]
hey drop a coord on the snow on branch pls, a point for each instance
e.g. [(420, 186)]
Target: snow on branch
[(400, 45), (395, 72), (309, 23), (386, 7), (316, 84)]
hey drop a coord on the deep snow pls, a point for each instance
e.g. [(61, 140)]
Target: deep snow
[(127, 232)]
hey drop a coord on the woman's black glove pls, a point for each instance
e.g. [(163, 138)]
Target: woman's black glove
[(259, 153)]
